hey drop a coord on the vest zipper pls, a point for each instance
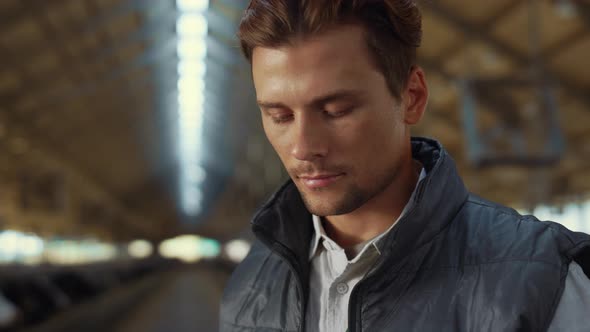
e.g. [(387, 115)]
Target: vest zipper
[(353, 311), (289, 258)]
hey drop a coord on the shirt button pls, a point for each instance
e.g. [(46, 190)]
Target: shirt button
[(342, 288)]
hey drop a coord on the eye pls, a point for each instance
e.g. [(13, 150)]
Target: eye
[(338, 113), (277, 115), (281, 118)]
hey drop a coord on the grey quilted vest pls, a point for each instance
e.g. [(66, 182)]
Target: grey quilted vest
[(454, 262)]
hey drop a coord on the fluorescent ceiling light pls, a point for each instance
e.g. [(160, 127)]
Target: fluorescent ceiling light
[(191, 28), (190, 85), (191, 205), (191, 49), (190, 118), (189, 106), (190, 158), (192, 68), (192, 5), (194, 174), (192, 25), (193, 192)]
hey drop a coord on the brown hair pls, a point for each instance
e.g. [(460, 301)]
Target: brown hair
[(393, 29)]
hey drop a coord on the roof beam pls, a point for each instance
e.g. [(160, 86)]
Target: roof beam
[(39, 151), (569, 40), (152, 29), (479, 32), (457, 47)]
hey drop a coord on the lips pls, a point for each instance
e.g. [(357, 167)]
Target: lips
[(320, 180)]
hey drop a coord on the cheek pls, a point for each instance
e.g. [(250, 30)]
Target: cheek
[(366, 134), (372, 142), (276, 140)]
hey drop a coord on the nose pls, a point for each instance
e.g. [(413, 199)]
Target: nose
[(309, 139)]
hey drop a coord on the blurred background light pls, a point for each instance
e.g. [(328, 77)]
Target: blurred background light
[(236, 250), (66, 252), (19, 247), (189, 248), (140, 249), (573, 216), (26, 248)]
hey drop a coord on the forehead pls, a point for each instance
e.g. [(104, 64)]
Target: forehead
[(337, 56)]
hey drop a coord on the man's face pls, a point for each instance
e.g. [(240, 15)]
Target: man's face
[(329, 115)]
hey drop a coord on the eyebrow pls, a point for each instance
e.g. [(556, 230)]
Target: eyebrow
[(318, 101)]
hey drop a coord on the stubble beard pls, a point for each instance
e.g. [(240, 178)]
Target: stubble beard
[(352, 198)]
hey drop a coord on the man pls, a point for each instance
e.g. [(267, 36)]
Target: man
[(375, 231)]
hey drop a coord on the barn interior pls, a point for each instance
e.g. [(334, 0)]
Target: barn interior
[(133, 156)]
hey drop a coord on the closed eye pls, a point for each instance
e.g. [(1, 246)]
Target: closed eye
[(282, 118), (279, 116), (339, 113)]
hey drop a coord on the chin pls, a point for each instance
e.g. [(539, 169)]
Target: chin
[(330, 207), (321, 212), (333, 200)]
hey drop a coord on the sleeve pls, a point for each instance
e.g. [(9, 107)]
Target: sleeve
[(573, 310)]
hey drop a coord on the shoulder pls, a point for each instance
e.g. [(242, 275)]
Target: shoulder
[(241, 282), (245, 273), (257, 290), (491, 232), (497, 219), (252, 280)]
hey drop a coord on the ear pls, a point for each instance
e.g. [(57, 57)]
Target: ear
[(415, 96)]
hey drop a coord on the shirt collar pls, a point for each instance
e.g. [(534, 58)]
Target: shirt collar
[(319, 232)]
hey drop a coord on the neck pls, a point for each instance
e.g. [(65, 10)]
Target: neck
[(377, 214)]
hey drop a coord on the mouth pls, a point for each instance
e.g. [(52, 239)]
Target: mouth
[(320, 180)]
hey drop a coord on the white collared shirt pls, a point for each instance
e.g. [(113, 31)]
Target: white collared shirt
[(334, 275)]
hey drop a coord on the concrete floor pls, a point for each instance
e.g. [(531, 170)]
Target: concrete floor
[(185, 300)]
